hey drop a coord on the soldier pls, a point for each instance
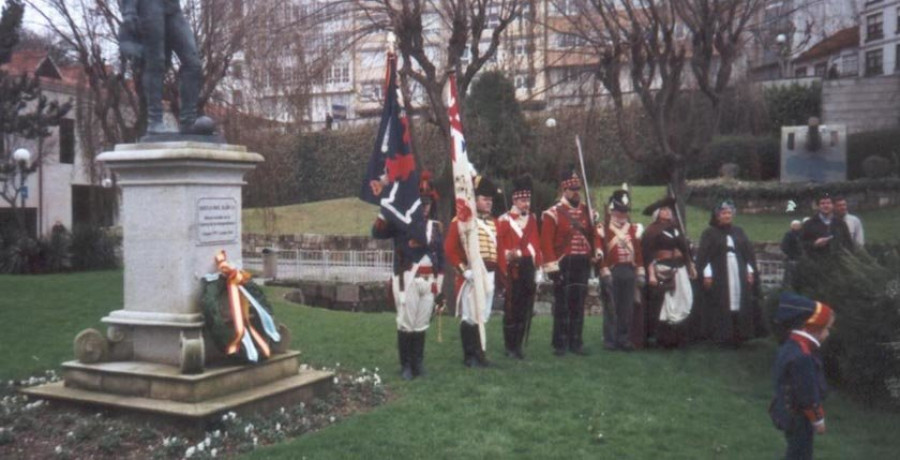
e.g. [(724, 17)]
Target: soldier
[(519, 255), (798, 377), (569, 243), (416, 282), (623, 271), (151, 31), (473, 351)]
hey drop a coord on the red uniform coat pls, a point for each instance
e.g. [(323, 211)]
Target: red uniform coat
[(510, 240), (624, 249), (557, 232), (455, 252)]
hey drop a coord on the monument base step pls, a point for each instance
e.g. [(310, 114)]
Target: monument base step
[(304, 386), (166, 382)]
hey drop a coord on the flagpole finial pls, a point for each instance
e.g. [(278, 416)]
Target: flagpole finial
[(392, 41)]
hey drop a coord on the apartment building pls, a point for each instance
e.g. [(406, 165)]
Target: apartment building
[(879, 32)]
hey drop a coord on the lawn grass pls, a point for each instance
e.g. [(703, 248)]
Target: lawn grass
[(703, 402), (350, 216), (42, 314), (343, 216)]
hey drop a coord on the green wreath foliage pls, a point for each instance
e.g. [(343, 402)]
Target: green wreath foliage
[(218, 324)]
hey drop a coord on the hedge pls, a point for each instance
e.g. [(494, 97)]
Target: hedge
[(757, 157), (708, 192), (860, 146)]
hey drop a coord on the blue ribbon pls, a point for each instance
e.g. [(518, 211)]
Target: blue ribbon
[(268, 323), (249, 348)]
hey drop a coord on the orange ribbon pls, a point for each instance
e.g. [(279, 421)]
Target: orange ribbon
[(239, 306)]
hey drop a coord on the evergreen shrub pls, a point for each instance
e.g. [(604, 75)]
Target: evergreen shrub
[(93, 248), (861, 355), (792, 105), (757, 157), (860, 146)]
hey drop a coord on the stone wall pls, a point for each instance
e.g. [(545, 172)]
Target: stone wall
[(862, 104)]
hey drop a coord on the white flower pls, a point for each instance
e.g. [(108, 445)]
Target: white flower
[(302, 404), (255, 440), (281, 409), (71, 434), (278, 426), (213, 452), (335, 380), (189, 452), (201, 447), (225, 418), (217, 433), (364, 370), (207, 441), (337, 365), (58, 450), (377, 370), (331, 419)]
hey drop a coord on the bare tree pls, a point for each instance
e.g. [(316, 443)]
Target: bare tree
[(472, 27), (719, 35), (89, 28)]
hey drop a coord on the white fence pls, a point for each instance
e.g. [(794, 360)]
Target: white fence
[(326, 265)]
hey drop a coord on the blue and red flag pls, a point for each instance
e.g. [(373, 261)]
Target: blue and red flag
[(391, 180)]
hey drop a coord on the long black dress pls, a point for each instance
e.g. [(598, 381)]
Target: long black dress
[(714, 319)]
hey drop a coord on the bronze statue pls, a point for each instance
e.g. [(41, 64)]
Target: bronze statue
[(151, 31)]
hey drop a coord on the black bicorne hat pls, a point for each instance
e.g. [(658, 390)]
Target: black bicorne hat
[(667, 202)]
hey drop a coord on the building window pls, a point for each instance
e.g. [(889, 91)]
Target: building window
[(850, 65), (67, 141), (874, 62), (820, 69), (338, 73), (800, 72), (874, 27), (569, 41), (897, 57), (521, 49), (523, 82)]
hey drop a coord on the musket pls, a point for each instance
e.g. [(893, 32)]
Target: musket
[(681, 228), (587, 190)]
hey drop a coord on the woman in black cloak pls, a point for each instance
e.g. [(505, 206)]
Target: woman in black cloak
[(729, 310)]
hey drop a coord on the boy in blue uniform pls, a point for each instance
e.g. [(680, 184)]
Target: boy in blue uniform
[(799, 381)]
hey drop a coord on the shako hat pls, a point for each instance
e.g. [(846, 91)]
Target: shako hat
[(795, 310)]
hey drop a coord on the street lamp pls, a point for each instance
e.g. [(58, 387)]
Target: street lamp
[(22, 159), (783, 53)]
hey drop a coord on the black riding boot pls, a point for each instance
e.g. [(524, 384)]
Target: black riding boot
[(468, 343), (404, 345), (418, 354)]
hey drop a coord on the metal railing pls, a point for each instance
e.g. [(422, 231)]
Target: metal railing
[(771, 273), (325, 265)]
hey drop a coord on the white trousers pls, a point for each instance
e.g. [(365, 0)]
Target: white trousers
[(467, 300), (415, 303)]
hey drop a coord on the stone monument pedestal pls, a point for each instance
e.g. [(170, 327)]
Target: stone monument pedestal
[(181, 205)]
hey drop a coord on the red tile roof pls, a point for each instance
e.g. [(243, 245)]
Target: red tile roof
[(840, 40), (29, 61)]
